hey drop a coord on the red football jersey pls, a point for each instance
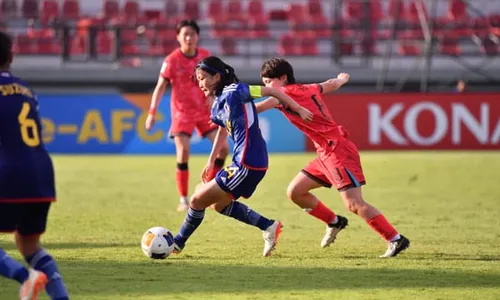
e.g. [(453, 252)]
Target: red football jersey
[(322, 130), (187, 99)]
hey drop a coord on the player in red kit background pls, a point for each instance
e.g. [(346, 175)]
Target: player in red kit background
[(337, 163), (189, 106)]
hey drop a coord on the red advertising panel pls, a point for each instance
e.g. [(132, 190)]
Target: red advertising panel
[(419, 121)]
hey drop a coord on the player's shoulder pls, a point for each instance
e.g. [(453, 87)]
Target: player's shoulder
[(237, 87), (202, 53), (175, 54)]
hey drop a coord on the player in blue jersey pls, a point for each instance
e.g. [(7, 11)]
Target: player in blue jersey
[(27, 185), (234, 112)]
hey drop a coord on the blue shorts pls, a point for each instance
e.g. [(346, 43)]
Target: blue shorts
[(239, 181), (25, 218), (27, 184)]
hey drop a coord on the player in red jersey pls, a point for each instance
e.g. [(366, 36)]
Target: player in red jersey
[(189, 107), (337, 163)]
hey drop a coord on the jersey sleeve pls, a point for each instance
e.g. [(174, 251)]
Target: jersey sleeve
[(166, 68)]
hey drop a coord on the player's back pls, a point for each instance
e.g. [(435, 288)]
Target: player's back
[(23, 157), (322, 130)]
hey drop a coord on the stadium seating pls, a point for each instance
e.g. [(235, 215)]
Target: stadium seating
[(308, 21)]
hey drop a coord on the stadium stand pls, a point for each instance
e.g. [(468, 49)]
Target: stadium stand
[(289, 27)]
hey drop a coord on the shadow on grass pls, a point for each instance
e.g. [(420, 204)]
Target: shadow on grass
[(71, 245), (176, 275)]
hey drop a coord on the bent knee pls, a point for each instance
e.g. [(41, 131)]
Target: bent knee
[(354, 203), (294, 192)]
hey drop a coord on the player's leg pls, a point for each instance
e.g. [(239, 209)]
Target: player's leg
[(208, 130), (9, 267), (349, 179), (182, 145), (238, 182), (31, 226), (312, 177), (206, 195)]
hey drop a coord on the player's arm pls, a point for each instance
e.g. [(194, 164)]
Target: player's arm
[(161, 86), (286, 101), (266, 104), (219, 143), (334, 84)]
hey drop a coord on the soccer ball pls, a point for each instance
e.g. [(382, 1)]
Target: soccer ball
[(157, 243)]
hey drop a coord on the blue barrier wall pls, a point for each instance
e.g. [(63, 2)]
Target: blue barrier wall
[(114, 123)]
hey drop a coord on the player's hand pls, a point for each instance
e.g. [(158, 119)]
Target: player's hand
[(206, 170), (344, 77), (305, 114), (150, 122)]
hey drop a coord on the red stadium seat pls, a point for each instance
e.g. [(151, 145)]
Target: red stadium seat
[(192, 9), (354, 10), (24, 45), (287, 46), (40, 33), (48, 46), (104, 43), (308, 46), (172, 8), (296, 12), (481, 27), (228, 46), (130, 49), (256, 9), (50, 11), (234, 11), (449, 46), (111, 9), (131, 10), (78, 45), (215, 11), (165, 29), (489, 47), (397, 9), (30, 9), (9, 8), (71, 9), (409, 49), (161, 47), (457, 10), (258, 27), (412, 12), (314, 8)]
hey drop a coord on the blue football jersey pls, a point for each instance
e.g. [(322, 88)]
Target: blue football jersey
[(26, 170), (234, 110)]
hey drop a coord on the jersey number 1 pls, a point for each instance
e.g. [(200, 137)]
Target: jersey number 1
[(28, 125)]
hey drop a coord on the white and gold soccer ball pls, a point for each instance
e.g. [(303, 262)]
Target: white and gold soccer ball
[(157, 243)]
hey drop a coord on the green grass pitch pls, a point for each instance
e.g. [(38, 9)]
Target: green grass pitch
[(447, 203)]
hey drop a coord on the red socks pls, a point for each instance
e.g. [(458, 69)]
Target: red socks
[(383, 227), (323, 213), (182, 178)]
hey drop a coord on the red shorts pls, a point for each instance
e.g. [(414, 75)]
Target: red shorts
[(341, 167), (185, 126)]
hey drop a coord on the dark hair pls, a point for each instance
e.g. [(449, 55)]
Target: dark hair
[(5, 49), (213, 65), (190, 23), (277, 67)]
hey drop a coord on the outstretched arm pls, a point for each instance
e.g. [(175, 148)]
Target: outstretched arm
[(334, 84), (304, 113), (266, 104)]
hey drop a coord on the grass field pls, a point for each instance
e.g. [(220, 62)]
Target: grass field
[(446, 203)]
